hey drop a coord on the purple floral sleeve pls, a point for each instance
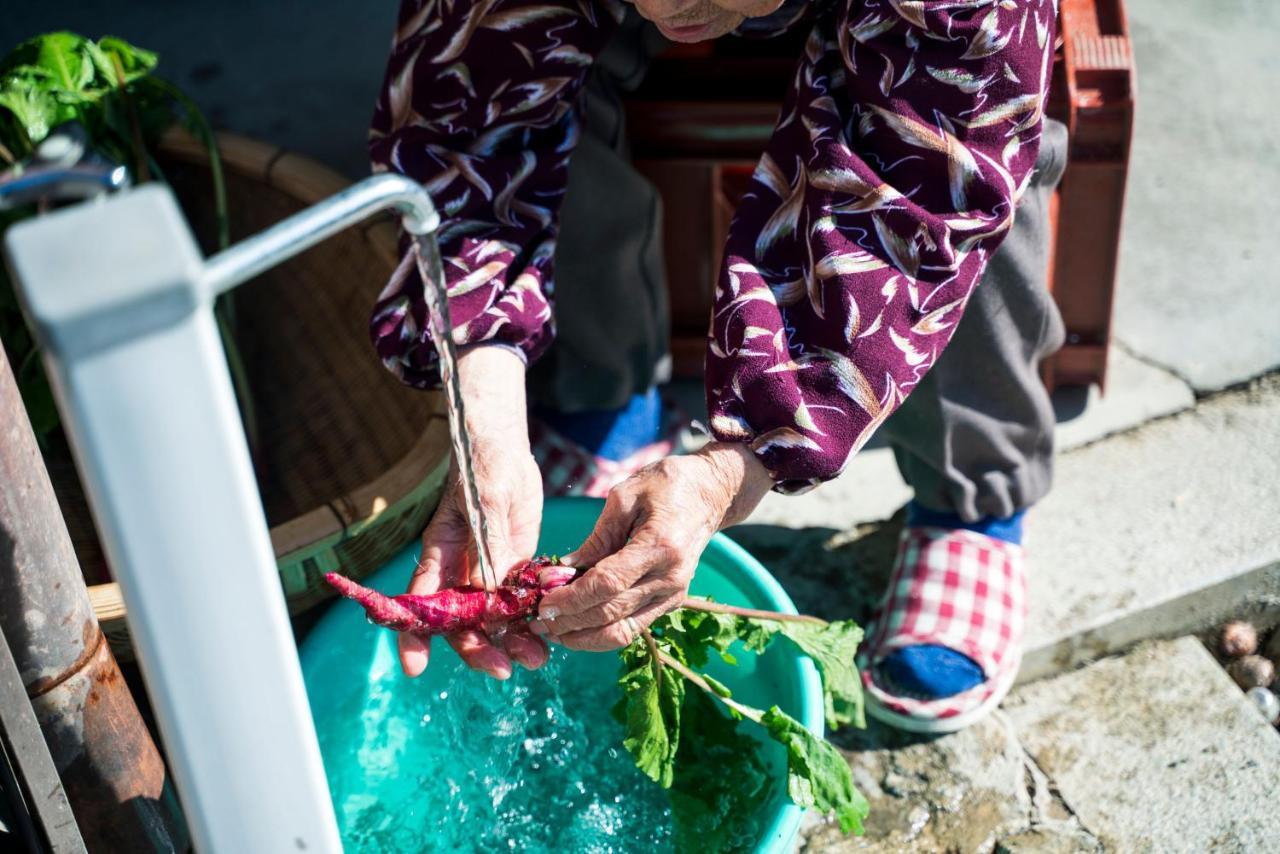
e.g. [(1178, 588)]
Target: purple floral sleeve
[(477, 106), (901, 152), (903, 147)]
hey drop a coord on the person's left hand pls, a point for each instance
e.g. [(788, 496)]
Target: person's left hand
[(645, 546)]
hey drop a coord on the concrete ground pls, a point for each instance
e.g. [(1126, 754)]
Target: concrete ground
[(1125, 735), (1174, 760)]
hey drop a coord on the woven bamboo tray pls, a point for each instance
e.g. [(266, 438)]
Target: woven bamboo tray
[(350, 463)]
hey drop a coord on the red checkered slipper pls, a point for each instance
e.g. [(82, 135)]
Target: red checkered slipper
[(570, 469), (961, 590)]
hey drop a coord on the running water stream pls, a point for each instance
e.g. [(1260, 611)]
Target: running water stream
[(431, 269)]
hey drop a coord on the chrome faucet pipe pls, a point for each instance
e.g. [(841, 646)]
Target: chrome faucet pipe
[(62, 168), (61, 182), (300, 232)]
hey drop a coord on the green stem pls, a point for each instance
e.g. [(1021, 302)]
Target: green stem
[(199, 127), (746, 711), (135, 126), (25, 363), (695, 604), (655, 656)]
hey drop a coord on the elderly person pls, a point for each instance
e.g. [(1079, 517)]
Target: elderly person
[(912, 132)]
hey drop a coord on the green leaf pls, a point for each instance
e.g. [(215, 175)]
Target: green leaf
[(653, 696), (134, 61), (756, 634), (720, 781), (35, 110), (833, 648), (818, 777), (65, 56), (701, 632)]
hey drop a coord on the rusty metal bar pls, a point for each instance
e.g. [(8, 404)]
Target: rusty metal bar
[(113, 775)]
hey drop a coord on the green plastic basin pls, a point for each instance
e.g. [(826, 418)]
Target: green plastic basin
[(726, 572)]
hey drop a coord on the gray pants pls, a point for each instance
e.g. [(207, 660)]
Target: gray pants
[(613, 332), (975, 437)]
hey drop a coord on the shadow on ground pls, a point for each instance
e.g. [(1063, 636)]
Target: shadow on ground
[(828, 573)]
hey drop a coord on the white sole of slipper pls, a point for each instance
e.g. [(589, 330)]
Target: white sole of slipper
[(955, 723)]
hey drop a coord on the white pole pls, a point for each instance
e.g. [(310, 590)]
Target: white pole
[(142, 384)]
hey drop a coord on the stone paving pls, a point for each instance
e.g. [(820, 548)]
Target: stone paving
[(1155, 750)]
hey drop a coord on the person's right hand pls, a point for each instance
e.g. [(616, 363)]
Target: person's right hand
[(510, 487)]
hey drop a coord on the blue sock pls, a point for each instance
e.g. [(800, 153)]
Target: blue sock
[(614, 434), (1009, 530), (928, 672), (931, 671)]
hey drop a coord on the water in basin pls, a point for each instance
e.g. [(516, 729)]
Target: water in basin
[(456, 761)]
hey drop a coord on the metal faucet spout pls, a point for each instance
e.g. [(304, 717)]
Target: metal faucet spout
[(297, 233)]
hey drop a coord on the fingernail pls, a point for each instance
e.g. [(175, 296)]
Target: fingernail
[(570, 559), (548, 612), (496, 665), (538, 627), (414, 661)]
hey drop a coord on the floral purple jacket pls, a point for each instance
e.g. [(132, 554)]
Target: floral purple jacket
[(900, 153)]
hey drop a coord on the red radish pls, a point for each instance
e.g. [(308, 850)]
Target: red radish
[(460, 608)]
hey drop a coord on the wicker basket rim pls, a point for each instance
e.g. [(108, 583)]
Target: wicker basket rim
[(310, 182)]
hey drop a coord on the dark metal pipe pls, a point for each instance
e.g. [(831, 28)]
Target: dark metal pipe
[(38, 802), (113, 774)]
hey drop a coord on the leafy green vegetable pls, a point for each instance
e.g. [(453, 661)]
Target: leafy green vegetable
[(651, 706), (61, 76), (678, 744), (720, 781), (817, 775), (697, 633), (832, 647)]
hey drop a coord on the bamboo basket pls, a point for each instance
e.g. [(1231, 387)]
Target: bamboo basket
[(350, 462)]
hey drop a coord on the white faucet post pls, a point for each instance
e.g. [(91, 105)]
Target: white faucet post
[(122, 304)]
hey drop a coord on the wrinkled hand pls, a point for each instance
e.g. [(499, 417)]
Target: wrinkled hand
[(511, 493), (646, 544)]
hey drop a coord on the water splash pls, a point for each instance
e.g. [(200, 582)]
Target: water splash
[(470, 764)]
